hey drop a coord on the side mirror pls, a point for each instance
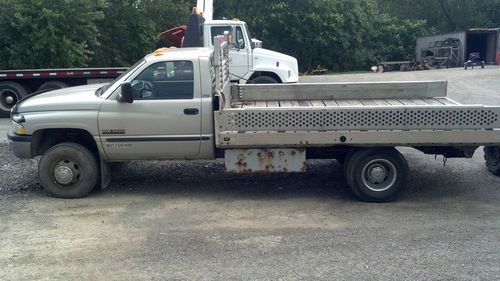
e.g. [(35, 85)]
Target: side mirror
[(126, 94), (256, 43)]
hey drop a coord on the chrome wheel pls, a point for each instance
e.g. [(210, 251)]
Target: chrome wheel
[(66, 172), (379, 175)]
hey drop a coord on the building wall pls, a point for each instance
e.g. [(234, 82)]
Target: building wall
[(497, 45), (424, 42)]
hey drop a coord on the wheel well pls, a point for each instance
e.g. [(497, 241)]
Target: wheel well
[(265, 73), (42, 140)]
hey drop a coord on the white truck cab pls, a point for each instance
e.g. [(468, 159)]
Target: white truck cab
[(249, 62)]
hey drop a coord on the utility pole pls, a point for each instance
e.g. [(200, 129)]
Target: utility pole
[(207, 7)]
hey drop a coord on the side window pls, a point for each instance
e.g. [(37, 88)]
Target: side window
[(219, 30), (165, 81)]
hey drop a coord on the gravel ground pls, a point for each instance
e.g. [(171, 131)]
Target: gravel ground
[(191, 221)]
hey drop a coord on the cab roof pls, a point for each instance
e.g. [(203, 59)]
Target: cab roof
[(222, 22), (178, 54)]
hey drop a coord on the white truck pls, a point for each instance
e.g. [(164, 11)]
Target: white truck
[(180, 104), (249, 62)]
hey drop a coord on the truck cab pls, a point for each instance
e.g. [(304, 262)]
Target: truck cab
[(249, 62)]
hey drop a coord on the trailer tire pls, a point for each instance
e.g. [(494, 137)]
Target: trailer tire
[(10, 94), (263, 80), (376, 174), (68, 170), (492, 159), (52, 85)]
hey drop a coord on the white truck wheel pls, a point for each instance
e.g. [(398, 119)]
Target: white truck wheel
[(263, 80)]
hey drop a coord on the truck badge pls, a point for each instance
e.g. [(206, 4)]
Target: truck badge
[(113, 132)]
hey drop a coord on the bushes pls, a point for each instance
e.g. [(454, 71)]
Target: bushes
[(340, 35)]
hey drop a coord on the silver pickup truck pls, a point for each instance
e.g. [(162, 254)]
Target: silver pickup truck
[(179, 104)]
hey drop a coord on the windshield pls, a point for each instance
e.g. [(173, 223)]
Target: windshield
[(103, 89)]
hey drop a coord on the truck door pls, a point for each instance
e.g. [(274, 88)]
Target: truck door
[(239, 55), (164, 120)]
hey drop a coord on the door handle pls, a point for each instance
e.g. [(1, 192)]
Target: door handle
[(191, 111)]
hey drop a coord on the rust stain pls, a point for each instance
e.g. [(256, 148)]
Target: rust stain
[(268, 161)]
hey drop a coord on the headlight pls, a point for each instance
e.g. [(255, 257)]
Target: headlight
[(18, 128)]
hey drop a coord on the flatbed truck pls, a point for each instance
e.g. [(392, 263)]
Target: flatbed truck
[(180, 104)]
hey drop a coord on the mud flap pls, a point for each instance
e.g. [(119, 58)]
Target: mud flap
[(105, 174)]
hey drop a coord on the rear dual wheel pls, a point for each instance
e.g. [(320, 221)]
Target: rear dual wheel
[(492, 159), (10, 94), (52, 85), (376, 174)]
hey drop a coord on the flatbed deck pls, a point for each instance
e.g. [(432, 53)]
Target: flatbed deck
[(341, 103), (355, 114), (303, 115)]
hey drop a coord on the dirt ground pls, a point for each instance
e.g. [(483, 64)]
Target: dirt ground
[(191, 221)]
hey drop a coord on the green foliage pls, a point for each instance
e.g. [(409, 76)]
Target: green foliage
[(54, 33), (166, 14), (340, 35), (447, 15), (395, 39), (126, 35)]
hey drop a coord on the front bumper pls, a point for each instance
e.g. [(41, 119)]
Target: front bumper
[(20, 145)]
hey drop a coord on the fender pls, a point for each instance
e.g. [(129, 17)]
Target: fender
[(286, 74)]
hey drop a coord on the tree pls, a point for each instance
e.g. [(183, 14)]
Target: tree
[(125, 34), (446, 15), (44, 34), (339, 35), (166, 14)]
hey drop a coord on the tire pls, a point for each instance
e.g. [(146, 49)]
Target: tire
[(70, 159), (10, 94), (52, 85), (263, 80), (392, 171), (492, 159)]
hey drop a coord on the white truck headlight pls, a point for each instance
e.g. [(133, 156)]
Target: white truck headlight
[(18, 128)]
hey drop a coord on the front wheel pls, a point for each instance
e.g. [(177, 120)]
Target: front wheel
[(492, 158), (263, 80), (68, 170), (376, 175)]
